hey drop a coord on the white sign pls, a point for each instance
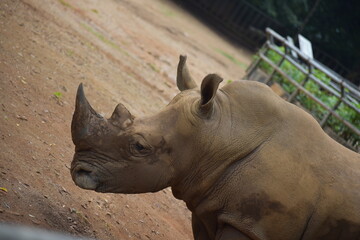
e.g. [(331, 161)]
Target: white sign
[(305, 46)]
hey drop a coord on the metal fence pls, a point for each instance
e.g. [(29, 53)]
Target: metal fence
[(345, 94), (246, 24)]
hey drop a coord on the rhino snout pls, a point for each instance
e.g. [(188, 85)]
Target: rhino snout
[(84, 178)]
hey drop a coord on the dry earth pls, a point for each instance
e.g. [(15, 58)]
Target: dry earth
[(123, 51)]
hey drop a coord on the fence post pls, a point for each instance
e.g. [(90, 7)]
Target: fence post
[(337, 104), (274, 71), (296, 92), (326, 117), (251, 69)]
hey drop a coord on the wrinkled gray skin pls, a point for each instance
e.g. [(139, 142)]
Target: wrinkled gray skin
[(248, 164)]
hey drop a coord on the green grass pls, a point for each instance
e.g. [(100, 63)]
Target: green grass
[(167, 12), (153, 67), (69, 52), (231, 58), (95, 11), (102, 38), (66, 4), (58, 95)]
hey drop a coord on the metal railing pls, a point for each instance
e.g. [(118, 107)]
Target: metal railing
[(345, 92)]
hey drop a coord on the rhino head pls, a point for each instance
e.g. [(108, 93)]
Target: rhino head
[(124, 154)]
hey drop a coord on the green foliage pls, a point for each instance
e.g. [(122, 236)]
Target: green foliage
[(290, 13), (313, 107), (330, 25)]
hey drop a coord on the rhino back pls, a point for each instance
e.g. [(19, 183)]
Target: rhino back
[(297, 179)]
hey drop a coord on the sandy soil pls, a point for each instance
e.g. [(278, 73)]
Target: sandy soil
[(123, 51)]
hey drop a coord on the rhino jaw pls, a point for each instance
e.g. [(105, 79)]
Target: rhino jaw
[(84, 178)]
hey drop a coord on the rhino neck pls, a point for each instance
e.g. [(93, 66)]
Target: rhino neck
[(198, 185), (220, 145)]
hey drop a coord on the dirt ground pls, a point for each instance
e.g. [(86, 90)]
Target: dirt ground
[(123, 51)]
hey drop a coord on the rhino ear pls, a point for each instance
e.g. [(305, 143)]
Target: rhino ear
[(121, 117), (184, 80), (208, 90)]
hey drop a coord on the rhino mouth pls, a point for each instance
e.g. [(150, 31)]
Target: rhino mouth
[(84, 178)]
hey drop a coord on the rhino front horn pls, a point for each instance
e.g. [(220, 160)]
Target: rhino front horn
[(85, 120)]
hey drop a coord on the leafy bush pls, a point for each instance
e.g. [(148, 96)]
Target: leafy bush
[(313, 107)]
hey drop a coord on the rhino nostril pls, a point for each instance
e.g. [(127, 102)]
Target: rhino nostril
[(81, 172), (85, 178)]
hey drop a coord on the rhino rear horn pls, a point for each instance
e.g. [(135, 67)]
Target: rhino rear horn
[(184, 80), (85, 120), (121, 117), (209, 87)]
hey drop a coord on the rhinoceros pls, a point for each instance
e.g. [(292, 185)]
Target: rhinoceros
[(248, 164)]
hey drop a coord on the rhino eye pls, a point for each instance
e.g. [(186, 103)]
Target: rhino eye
[(139, 149)]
